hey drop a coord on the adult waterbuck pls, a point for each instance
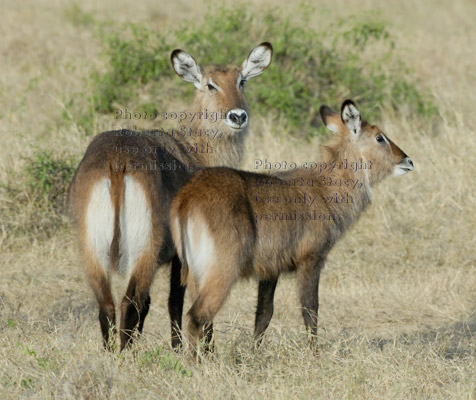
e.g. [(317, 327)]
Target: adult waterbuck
[(122, 189), (228, 224)]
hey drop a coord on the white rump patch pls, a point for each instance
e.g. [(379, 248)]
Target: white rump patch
[(100, 222), (257, 62), (136, 225), (199, 248), (186, 67)]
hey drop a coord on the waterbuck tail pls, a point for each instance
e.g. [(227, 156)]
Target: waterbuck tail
[(117, 199)]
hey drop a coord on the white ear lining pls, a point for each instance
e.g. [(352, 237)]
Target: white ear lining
[(186, 67), (256, 63), (351, 118)]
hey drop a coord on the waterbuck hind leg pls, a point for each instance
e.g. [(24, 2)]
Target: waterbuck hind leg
[(208, 345), (101, 286), (265, 307), (107, 318), (176, 298), (200, 327), (309, 296), (208, 301), (134, 308), (143, 313)]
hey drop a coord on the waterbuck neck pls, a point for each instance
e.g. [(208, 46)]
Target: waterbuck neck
[(347, 174), (208, 141), (346, 177)]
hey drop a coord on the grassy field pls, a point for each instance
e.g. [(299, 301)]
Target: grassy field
[(398, 294)]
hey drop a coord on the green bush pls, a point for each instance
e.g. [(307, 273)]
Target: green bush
[(352, 58), (48, 178), (37, 196), (135, 58)]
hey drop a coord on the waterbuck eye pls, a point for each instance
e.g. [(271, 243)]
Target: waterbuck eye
[(242, 83), (211, 87), (380, 138)]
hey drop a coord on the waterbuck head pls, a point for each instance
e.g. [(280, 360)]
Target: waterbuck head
[(220, 88), (367, 141)]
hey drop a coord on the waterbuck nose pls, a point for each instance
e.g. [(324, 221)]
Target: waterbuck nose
[(236, 118), (409, 162)]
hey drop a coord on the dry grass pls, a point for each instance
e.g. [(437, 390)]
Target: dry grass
[(397, 316)]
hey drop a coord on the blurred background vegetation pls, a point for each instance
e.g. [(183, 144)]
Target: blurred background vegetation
[(310, 67), (353, 57)]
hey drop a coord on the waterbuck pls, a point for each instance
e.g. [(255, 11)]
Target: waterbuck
[(228, 224), (122, 189)]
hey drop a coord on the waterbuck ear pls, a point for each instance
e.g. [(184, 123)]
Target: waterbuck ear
[(186, 67), (257, 61), (351, 117), (331, 119)]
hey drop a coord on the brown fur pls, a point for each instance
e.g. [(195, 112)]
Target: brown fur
[(251, 236), (113, 156), (117, 199)]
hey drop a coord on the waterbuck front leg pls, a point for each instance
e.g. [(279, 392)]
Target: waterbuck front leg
[(265, 307), (176, 298), (308, 275)]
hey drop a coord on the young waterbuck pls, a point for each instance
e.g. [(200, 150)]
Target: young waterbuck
[(227, 224), (122, 189)]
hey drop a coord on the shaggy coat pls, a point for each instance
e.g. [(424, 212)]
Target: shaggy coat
[(123, 187), (229, 224)]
